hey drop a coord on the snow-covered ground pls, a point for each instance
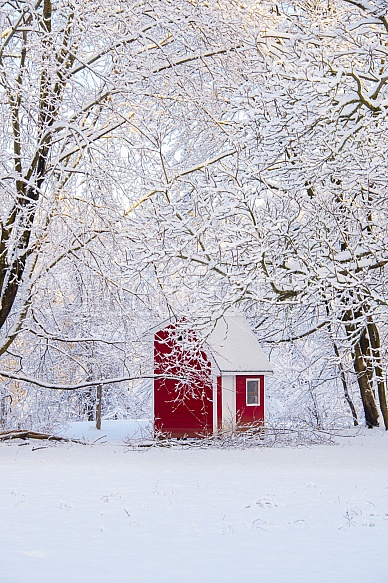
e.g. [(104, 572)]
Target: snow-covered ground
[(111, 431), (108, 514)]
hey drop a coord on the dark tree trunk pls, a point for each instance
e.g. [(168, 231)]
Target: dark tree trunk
[(363, 368), (374, 338), (99, 407), (345, 386), (366, 388), (89, 404)]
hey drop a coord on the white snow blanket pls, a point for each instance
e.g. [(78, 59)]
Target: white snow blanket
[(107, 514)]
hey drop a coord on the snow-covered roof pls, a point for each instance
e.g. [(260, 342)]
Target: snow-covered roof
[(231, 344), (234, 347)]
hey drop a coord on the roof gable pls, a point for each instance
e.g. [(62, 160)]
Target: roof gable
[(231, 344), (234, 347)]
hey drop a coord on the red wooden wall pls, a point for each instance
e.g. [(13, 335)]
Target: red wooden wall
[(248, 414), (183, 406)]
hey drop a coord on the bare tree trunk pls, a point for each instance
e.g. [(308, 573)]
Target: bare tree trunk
[(345, 386), (374, 338), (362, 367), (366, 388), (89, 404), (342, 374), (98, 407)]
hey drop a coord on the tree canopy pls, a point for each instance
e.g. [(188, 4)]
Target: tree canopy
[(182, 157)]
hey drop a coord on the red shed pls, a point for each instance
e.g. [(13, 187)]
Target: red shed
[(208, 385)]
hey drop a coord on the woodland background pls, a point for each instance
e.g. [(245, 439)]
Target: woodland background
[(177, 158)]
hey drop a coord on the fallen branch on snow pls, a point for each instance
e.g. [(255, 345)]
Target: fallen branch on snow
[(26, 434)]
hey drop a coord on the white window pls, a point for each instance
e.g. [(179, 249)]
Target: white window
[(253, 391)]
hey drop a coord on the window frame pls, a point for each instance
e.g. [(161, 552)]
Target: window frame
[(258, 380)]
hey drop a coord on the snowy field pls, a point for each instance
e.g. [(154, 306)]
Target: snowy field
[(106, 514)]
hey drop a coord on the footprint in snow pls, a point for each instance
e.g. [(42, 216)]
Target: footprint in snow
[(266, 503), (261, 524), (111, 497), (299, 523), (64, 506)]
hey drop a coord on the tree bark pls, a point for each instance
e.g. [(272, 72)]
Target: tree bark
[(345, 387), (374, 338), (89, 404), (366, 389), (98, 407), (362, 367)]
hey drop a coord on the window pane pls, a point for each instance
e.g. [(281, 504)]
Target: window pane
[(253, 392)]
